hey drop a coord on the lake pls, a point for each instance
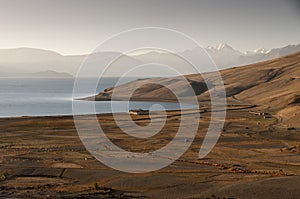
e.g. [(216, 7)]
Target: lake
[(53, 96)]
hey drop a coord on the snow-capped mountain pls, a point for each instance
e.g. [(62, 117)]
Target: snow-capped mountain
[(225, 56), (261, 50), (222, 48)]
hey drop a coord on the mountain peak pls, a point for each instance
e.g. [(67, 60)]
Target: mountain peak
[(222, 46), (261, 50)]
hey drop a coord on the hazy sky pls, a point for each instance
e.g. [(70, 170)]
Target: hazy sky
[(78, 26)]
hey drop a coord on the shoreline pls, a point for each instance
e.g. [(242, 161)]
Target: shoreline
[(110, 113)]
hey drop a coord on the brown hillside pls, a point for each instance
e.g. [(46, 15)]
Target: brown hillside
[(272, 85)]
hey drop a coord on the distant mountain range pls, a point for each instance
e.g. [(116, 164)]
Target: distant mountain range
[(225, 56), (26, 61)]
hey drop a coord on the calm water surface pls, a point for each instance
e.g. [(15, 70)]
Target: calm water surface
[(46, 96)]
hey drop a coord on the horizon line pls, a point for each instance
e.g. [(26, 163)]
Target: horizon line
[(85, 54)]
